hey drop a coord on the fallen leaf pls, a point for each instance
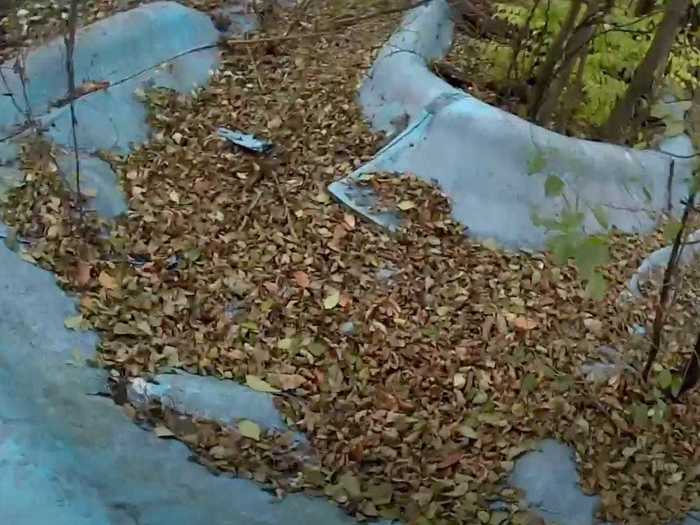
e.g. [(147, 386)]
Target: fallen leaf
[(275, 122), (74, 323), (331, 300), (524, 324), (349, 221), (259, 385), (289, 381), (351, 485), (451, 459), (163, 432), (82, 273), (406, 205), (302, 279), (107, 281), (249, 429), (125, 329)]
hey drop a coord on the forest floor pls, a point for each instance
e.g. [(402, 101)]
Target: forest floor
[(420, 365)]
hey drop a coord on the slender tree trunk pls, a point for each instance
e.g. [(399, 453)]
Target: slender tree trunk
[(647, 72), (70, 73), (544, 72), (577, 45), (574, 94), (518, 43)]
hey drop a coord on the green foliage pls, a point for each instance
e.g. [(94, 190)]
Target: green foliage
[(536, 163), (621, 42), (553, 186)]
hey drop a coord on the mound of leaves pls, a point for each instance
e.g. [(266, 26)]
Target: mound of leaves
[(419, 365)]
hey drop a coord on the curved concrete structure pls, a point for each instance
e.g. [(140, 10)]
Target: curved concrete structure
[(492, 164)]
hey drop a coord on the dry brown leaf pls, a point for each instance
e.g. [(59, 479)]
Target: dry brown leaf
[(82, 273), (302, 279), (107, 281), (524, 324)]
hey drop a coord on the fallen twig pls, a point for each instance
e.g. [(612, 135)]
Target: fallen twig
[(290, 223)]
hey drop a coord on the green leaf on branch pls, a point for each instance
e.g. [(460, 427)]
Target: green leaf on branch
[(601, 216), (536, 163), (664, 379), (553, 186), (596, 287), (591, 253), (671, 229), (563, 247)]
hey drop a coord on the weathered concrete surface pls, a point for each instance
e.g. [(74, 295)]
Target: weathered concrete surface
[(162, 44), (550, 482), (159, 44), (70, 458), (492, 164), (209, 398), (97, 181)]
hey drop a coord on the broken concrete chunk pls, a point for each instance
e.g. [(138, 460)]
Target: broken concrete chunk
[(208, 398)]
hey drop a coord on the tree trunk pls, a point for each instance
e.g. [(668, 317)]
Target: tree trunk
[(518, 43), (574, 94), (544, 73), (578, 44), (646, 73)]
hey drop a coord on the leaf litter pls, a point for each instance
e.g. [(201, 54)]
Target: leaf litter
[(241, 267)]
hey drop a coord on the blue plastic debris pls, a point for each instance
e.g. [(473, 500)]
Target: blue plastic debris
[(245, 140)]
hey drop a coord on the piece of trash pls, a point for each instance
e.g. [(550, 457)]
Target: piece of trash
[(245, 140)]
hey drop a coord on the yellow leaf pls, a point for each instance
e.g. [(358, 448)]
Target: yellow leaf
[(258, 384), (163, 432), (74, 323), (107, 281), (331, 300), (249, 429), (406, 205), (288, 381)]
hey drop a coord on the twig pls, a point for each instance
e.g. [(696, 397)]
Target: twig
[(669, 186), (666, 287), (70, 71), (290, 223), (255, 67), (250, 209)]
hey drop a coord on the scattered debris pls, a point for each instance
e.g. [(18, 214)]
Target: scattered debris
[(245, 140)]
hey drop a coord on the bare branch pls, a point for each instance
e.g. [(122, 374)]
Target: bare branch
[(70, 72)]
